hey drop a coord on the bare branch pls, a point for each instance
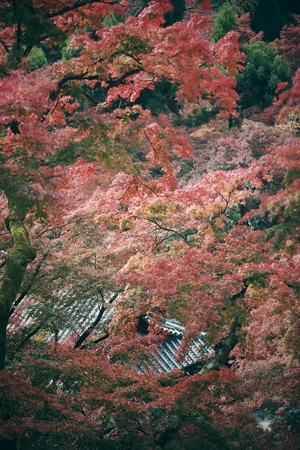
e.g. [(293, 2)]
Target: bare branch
[(93, 325), (77, 5)]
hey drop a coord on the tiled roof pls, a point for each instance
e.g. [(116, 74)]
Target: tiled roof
[(166, 356), (73, 317), (68, 317)]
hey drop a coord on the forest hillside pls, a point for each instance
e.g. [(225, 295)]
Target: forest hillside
[(149, 188)]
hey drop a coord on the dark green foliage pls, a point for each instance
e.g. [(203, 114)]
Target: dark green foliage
[(37, 58), (156, 172), (31, 30), (289, 6), (187, 166), (97, 94), (68, 52), (267, 15), (111, 20), (233, 215), (225, 22), (197, 117), (288, 220), (161, 100), (144, 3), (176, 15), (234, 122), (264, 69), (269, 19), (244, 6), (292, 175)]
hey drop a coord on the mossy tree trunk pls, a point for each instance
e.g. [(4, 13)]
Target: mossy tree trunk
[(21, 254)]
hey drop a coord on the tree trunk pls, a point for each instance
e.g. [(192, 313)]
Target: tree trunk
[(21, 254)]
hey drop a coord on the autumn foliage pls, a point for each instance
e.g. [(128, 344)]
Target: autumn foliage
[(111, 210)]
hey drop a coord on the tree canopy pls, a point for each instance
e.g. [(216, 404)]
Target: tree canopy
[(126, 194)]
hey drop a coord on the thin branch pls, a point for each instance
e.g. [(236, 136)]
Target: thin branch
[(85, 76), (30, 335), (171, 230), (100, 339), (223, 348), (29, 284), (77, 5), (93, 325), (230, 402), (47, 230), (4, 262), (89, 98)]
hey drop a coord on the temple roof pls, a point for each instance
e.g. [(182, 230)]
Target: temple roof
[(166, 357)]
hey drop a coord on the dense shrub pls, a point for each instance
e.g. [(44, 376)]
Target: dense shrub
[(161, 100), (264, 69), (225, 22)]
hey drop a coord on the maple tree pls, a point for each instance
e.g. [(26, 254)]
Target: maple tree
[(125, 68), (125, 210), (239, 296), (287, 44)]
